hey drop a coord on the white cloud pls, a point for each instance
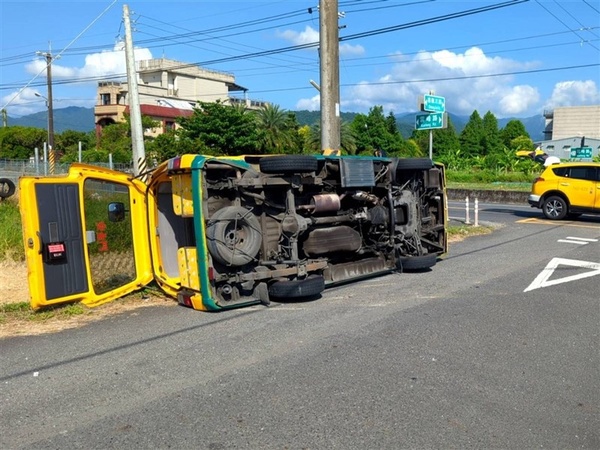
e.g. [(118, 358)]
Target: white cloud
[(95, 66), (24, 102), (310, 104), (456, 76), (310, 35), (574, 93), (106, 63), (518, 99)]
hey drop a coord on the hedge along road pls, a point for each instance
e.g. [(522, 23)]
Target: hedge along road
[(463, 355)]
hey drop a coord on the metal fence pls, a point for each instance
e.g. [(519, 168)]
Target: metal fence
[(13, 169)]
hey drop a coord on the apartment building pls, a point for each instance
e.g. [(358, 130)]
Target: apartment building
[(168, 89)]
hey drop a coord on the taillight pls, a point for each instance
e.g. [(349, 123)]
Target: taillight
[(184, 299), (174, 163), (538, 179), (211, 273)]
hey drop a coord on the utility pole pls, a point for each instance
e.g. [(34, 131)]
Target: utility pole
[(49, 59), (330, 76), (137, 133)]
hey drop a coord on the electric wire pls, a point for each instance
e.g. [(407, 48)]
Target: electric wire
[(311, 45)]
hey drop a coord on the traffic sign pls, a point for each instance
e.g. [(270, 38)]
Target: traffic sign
[(434, 103), (430, 121), (581, 152)]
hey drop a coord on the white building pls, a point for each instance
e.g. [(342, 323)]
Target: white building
[(168, 89), (572, 132)]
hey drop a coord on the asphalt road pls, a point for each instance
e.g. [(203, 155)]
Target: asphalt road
[(496, 347)]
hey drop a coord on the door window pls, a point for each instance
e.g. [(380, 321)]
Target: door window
[(110, 244)]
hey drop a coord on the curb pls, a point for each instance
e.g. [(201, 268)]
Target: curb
[(491, 196)]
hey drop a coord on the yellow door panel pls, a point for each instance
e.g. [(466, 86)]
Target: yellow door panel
[(74, 252)]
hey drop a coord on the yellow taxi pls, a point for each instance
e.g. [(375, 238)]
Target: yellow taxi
[(567, 190)]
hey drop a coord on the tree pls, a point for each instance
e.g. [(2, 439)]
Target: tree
[(277, 133), (20, 142), (115, 140), (347, 139), (472, 135), (168, 145), (491, 143), (374, 132), (513, 129), (68, 144), (219, 129), (445, 141), (521, 143)]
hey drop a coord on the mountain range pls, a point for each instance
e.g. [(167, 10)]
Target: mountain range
[(82, 119)]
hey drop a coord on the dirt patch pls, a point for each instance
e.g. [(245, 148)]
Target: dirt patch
[(14, 289), (13, 282)]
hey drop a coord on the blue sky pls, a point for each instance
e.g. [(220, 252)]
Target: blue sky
[(514, 61)]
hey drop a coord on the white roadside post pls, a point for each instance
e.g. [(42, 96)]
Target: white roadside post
[(467, 220)]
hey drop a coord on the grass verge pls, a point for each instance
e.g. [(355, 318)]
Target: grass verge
[(11, 234)]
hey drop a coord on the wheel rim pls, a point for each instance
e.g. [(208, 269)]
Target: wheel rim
[(554, 208)]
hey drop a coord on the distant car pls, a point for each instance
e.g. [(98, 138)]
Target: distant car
[(567, 190)]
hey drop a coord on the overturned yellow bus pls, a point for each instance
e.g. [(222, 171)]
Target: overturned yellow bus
[(223, 232)]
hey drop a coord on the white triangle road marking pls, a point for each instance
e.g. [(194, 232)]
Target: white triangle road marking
[(542, 279)]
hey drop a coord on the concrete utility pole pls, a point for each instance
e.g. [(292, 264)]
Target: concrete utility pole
[(330, 76), (49, 59), (137, 132)]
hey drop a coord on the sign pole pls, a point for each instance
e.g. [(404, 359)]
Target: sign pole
[(430, 144)]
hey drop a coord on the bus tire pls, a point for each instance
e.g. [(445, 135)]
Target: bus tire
[(287, 289), (414, 164), (288, 164), (233, 236), (416, 263)]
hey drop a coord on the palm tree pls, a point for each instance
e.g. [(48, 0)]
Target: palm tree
[(347, 139), (275, 134)]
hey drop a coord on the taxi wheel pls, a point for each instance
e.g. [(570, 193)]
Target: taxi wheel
[(555, 208)]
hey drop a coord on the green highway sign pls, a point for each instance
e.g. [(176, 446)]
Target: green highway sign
[(434, 103), (581, 152), (430, 121)]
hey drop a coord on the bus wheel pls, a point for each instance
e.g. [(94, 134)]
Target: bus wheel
[(309, 287), (233, 236), (417, 262), (288, 164)]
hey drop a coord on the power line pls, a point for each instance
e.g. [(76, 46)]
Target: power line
[(563, 23)]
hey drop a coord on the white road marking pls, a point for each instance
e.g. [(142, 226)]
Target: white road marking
[(542, 280), (577, 240), (568, 241)]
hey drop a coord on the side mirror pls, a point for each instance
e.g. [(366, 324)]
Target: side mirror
[(116, 211)]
